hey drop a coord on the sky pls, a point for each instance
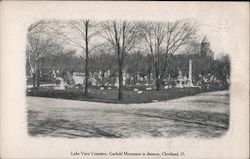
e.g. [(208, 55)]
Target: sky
[(215, 20), (218, 34)]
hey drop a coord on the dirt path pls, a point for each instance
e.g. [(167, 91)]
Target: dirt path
[(204, 115)]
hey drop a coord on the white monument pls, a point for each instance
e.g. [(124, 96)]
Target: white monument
[(100, 75), (190, 82), (93, 81), (139, 92), (117, 82), (59, 84), (54, 74), (124, 78), (108, 73), (135, 89), (179, 80)]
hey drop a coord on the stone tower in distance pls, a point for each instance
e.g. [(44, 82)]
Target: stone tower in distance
[(205, 48)]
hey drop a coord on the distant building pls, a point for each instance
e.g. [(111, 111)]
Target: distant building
[(205, 49)]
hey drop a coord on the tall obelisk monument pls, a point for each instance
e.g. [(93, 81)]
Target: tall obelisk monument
[(190, 82)]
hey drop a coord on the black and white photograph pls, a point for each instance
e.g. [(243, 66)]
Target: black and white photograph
[(121, 79), (124, 79)]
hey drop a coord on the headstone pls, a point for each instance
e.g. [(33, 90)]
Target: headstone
[(166, 87), (101, 88), (117, 82), (93, 81), (124, 78), (59, 84), (135, 89), (54, 74), (179, 80), (148, 89), (109, 88), (108, 73), (151, 76), (105, 74), (185, 78), (100, 75), (139, 92), (78, 78)]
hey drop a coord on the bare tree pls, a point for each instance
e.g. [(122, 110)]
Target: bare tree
[(163, 40), (80, 34), (122, 37), (39, 45)]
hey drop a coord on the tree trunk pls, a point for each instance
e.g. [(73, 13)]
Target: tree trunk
[(157, 79), (86, 74), (35, 76), (120, 94), (135, 78), (38, 78), (149, 78), (157, 84), (102, 78), (34, 81), (86, 60)]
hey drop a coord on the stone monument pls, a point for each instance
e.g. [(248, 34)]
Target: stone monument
[(179, 80), (59, 84), (190, 80), (117, 82)]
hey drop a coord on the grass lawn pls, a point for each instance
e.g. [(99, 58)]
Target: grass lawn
[(111, 96)]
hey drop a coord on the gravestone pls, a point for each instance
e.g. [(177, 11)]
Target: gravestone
[(108, 73), (59, 84), (139, 92), (179, 80), (93, 81), (116, 82), (135, 89), (54, 74), (166, 87), (100, 75), (124, 78)]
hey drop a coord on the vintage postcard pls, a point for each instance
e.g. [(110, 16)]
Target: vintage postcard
[(124, 79)]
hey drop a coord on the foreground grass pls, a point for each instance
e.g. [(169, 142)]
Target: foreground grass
[(110, 96)]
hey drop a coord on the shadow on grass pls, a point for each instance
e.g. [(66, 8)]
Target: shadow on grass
[(181, 123), (66, 128)]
